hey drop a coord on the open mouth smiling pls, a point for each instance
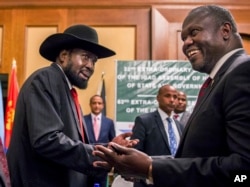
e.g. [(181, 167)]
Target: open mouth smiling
[(85, 75), (192, 53)]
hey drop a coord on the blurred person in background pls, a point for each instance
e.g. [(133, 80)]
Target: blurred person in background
[(101, 130), (180, 112)]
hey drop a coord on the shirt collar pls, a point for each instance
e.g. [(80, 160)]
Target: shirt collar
[(67, 80), (98, 116), (221, 62), (163, 114), (179, 114)]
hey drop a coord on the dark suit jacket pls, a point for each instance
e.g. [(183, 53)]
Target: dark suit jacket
[(184, 118), (107, 131), (215, 143), (46, 147), (149, 129)]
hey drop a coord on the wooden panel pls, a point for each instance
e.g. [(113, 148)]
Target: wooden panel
[(25, 18), (112, 37), (89, 3), (174, 15), (246, 42), (129, 29), (166, 23), (6, 52), (35, 35), (160, 28), (136, 33), (242, 15), (128, 25), (60, 18), (137, 18), (1, 43)]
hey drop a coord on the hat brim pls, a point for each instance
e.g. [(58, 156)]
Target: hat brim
[(52, 45)]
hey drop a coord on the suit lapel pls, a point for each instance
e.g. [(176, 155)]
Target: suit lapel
[(183, 117), (161, 127), (84, 128), (89, 126), (219, 75), (72, 104), (179, 127)]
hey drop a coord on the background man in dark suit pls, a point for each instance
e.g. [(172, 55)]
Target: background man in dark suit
[(100, 130), (180, 112), (152, 128), (214, 149)]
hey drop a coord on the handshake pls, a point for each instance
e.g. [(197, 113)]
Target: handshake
[(130, 163)]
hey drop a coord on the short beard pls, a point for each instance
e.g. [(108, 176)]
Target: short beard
[(74, 79)]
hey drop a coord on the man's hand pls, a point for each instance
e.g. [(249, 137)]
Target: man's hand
[(123, 140), (128, 162)]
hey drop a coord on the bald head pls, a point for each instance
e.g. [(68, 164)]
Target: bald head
[(166, 98)]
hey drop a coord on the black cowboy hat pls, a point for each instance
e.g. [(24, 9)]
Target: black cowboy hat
[(77, 36)]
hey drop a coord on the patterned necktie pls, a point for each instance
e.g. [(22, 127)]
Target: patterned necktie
[(4, 165), (96, 128), (203, 88), (172, 138), (77, 105)]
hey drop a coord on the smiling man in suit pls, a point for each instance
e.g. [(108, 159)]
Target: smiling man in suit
[(214, 149)]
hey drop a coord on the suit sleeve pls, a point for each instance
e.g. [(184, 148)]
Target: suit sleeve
[(52, 133), (139, 132), (112, 130)]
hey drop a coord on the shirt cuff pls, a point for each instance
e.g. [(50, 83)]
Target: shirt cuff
[(149, 180)]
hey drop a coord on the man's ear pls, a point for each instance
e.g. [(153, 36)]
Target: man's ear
[(63, 56), (226, 30)]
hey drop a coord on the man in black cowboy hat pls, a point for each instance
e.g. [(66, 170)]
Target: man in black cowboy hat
[(49, 145)]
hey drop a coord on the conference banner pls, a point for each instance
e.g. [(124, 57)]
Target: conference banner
[(137, 84)]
